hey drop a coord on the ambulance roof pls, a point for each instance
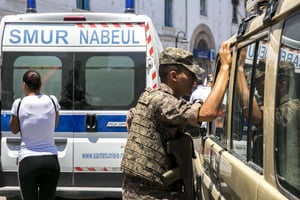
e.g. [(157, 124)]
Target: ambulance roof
[(77, 17)]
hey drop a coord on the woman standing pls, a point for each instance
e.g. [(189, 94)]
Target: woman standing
[(35, 117)]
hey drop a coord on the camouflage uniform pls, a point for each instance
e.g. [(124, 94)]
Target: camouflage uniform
[(157, 117), (287, 108)]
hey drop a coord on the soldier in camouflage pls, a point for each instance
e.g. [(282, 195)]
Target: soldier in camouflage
[(287, 106), (160, 115), (287, 117)]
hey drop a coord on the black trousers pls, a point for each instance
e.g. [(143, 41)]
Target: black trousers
[(38, 177)]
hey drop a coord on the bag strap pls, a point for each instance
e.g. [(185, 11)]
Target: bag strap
[(52, 102), (18, 108), (18, 115)]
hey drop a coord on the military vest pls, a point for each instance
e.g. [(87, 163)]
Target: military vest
[(145, 156)]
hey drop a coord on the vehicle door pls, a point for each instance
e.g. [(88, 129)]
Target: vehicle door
[(50, 66), (105, 86), (240, 155)]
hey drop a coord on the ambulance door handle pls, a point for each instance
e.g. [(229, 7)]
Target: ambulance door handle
[(91, 122)]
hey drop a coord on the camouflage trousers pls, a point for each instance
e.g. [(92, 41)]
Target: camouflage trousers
[(135, 188)]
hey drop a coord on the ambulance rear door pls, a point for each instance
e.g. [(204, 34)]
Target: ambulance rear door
[(30, 46), (108, 75)]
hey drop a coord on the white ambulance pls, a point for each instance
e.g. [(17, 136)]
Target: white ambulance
[(96, 65)]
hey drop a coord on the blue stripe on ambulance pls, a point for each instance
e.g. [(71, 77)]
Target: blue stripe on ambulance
[(106, 123)]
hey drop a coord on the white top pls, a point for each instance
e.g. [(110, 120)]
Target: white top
[(200, 93), (37, 124)]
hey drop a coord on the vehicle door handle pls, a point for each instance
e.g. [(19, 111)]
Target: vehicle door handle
[(91, 122)]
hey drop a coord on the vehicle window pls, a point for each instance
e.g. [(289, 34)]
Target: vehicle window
[(287, 110), (104, 81), (247, 122), (117, 72), (91, 81), (218, 126), (14, 67)]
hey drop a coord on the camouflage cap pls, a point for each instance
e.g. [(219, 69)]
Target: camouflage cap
[(171, 55)]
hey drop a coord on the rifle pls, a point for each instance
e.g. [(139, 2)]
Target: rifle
[(182, 148)]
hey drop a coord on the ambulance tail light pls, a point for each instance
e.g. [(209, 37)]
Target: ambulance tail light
[(31, 6), (129, 6), (74, 18)]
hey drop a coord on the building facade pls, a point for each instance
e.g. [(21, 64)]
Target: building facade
[(199, 26), (8, 7)]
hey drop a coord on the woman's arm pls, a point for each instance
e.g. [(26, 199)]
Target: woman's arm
[(14, 124)]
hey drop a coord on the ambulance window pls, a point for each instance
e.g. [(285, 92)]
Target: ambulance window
[(248, 103), (14, 67), (49, 68), (106, 80), (287, 108), (107, 76)]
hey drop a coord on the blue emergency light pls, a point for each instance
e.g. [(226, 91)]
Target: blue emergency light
[(31, 6), (129, 6)]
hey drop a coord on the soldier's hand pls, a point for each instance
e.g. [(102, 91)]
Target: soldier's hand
[(242, 59), (243, 55), (225, 55)]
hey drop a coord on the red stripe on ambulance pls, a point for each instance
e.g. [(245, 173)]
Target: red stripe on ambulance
[(96, 169), (150, 52)]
